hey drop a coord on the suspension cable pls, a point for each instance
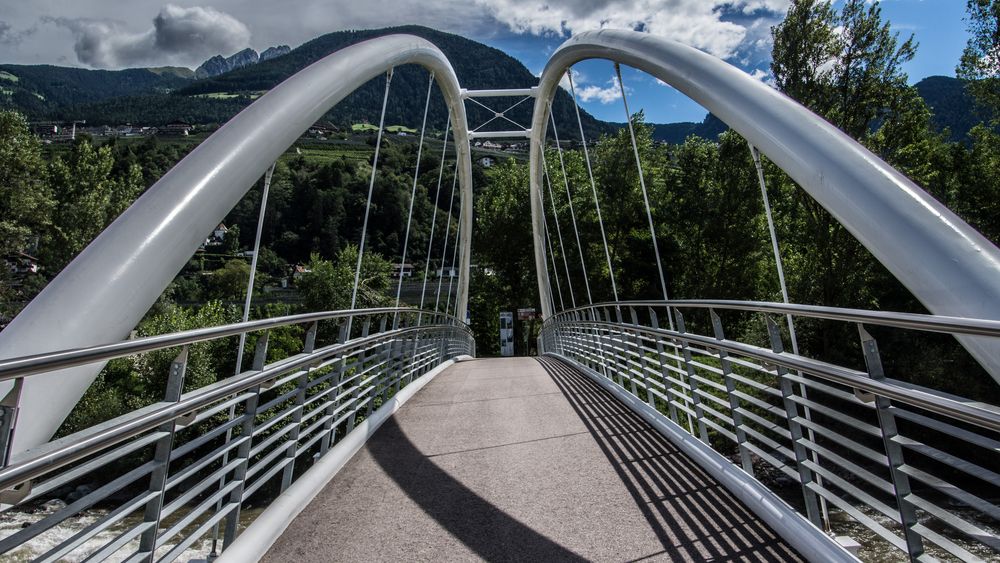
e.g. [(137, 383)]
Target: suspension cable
[(243, 336), (253, 264), (552, 256), (645, 194), (447, 230), (437, 198), (774, 244), (593, 185), (806, 411), (368, 205), (555, 214), (569, 198), (413, 191), (454, 265)]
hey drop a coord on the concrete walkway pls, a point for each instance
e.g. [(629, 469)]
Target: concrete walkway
[(522, 459)]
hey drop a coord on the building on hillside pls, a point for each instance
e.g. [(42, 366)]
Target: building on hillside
[(178, 128), (447, 272), (217, 238), (402, 270)]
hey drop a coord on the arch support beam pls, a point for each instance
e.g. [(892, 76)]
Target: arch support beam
[(106, 290), (942, 260)]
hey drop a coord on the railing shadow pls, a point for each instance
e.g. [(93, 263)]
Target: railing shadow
[(485, 529), (694, 517)]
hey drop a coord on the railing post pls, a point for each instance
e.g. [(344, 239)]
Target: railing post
[(734, 401), (328, 429), (654, 322), (893, 451), (639, 352), (161, 460), (794, 427), (8, 419), (243, 453), (292, 449), (699, 413)]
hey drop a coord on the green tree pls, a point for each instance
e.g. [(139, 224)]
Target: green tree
[(847, 67), (133, 382), (981, 59), (25, 196), (88, 197), (327, 286)]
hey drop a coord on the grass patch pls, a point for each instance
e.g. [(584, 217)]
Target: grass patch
[(4, 75), (361, 127), (329, 153), (230, 95), (399, 128)]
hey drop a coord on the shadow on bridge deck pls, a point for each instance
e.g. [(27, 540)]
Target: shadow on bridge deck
[(522, 459)]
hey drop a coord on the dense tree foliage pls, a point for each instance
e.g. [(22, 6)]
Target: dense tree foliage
[(981, 58), (845, 64)]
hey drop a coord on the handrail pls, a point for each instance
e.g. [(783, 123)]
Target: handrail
[(914, 321), (974, 413), (103, 293), (39, 363), (832, 428), (948, 265), (32, 466)]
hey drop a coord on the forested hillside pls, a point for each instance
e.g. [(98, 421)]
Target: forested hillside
[(142, 96), (707, 210)]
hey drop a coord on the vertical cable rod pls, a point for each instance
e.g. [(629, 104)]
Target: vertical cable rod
[(593, 185), (437, 198), (569, 197), (645, 194), (368, 205), (243, 336), (413, 191), (447, 230), (555, 214), (552, 255), (454, 263), (806, 411)]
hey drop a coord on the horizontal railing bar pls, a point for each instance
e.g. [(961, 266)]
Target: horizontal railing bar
[(978, 414), (11, 368), (500, 92), (914, 321), (49, 460), (520, 134)]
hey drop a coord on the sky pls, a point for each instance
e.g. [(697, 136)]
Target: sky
[(135, 33)]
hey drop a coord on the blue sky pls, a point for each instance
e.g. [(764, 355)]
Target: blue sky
[(106, 34), (938, 26)]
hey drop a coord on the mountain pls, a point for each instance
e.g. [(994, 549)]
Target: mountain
[(952, 106), (220, 65), (43, 91), (158, 96), (476, 65), (274, 52), (675, 133), (247, 57)]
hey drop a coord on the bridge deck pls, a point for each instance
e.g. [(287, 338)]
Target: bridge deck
[(522, 459)]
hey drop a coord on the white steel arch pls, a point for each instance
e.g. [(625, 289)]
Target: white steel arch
[(106, 290), (946, 263)]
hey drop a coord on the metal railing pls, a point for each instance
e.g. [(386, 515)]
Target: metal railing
[(913, 466), (181, 473)]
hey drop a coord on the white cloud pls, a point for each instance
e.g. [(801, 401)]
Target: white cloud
[(605, 95), (698, 23), (178, 36), (764, 76)]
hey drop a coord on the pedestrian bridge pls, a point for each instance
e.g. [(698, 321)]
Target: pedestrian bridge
[(642, 431)]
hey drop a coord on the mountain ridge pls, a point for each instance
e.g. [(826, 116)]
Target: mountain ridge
[(156, 96)]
